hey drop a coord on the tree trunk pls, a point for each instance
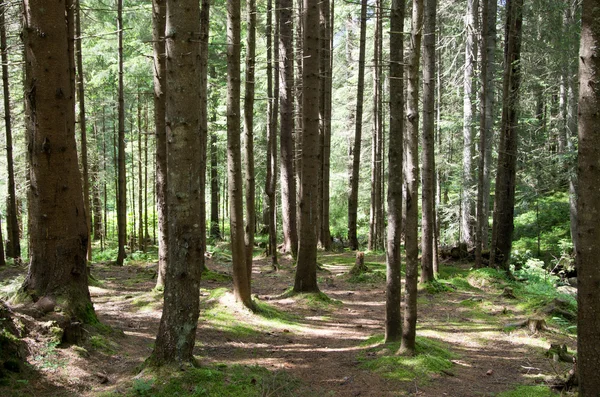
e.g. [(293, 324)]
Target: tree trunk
[(326, 88), (354, 176), (588, 206), (286, 80), (241, 284), (428, 142), (272, 108), (215, 232), (504, 205), (466, 214), (13, 244), (2, 259), (141, 241), (185, 191), (393, 325), (374, 242), (203, 65), (57, 223), (250, 188), (122, 183), (306, 268), (160, 87), (488, 47), (412, 183)]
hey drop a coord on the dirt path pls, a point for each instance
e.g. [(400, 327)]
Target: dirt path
[(321, 346)]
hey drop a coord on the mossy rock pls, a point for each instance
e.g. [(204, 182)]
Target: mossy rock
[(12, 349)]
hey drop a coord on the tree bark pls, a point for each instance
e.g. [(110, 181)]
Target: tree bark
[(122, 182), (504, 205), (241, 284), (412, 183), (57, 222), (159, 67), (272, 109), (588, 206), (306, 268), (428, 142), (185, 191), (13, 244), (466, 214), (326, 88), (393, 324), (488, 46), (286, 80), (354, 176), (250, 188), (141, 241)]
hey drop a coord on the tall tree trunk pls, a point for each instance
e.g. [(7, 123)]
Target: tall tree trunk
[(326, 88), (215, 232), (271, 178), (504, 205), (241, 284), (393, 325), (250, 188), (428, 142), (122, 182), (286, 80), (466, 214), (159, 67), (203, 66), (486, 124), (354, 176), (588, 206), (141, 241), (374, 224), (185, 191), (306, 268), (13, 244), (57, 223), (411, 243), (82, 125), (96, 188)]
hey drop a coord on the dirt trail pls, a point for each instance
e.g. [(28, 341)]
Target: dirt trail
[(322, 350)]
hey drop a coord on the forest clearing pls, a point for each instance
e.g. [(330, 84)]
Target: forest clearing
[(330, 345)]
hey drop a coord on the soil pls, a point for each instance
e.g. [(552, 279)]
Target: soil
[(323, 351)]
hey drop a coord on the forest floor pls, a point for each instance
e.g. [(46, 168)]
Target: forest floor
[(468, 340)]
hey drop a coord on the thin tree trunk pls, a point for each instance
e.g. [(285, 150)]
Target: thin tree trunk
[(374, 239), (141, 241), (488, 48), (241, 282), (203, 66), (13, 244), (326, 87), (428, 142), (160, 88), (286, 80), (466, 214), (393, 324), (2, 259), (354, 176), (271, 178), (250, 183), (412, 183), (122, 187), (306, 268), (504, 205)]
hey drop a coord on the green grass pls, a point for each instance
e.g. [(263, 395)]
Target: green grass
[(431, 358), (529, 391), (218, 381)]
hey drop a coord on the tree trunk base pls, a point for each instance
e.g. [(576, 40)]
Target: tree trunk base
[(359, 266)]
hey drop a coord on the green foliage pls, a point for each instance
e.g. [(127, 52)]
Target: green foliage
[(436, 287), (101, 343), (431, 358), (529, 391)]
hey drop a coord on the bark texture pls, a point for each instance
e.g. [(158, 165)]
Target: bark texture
[(177, 330), (57, 222), (306, 268), (588, 230), (504, 205), (393, 286)]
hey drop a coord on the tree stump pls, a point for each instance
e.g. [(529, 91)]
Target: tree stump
[(359, 266)]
